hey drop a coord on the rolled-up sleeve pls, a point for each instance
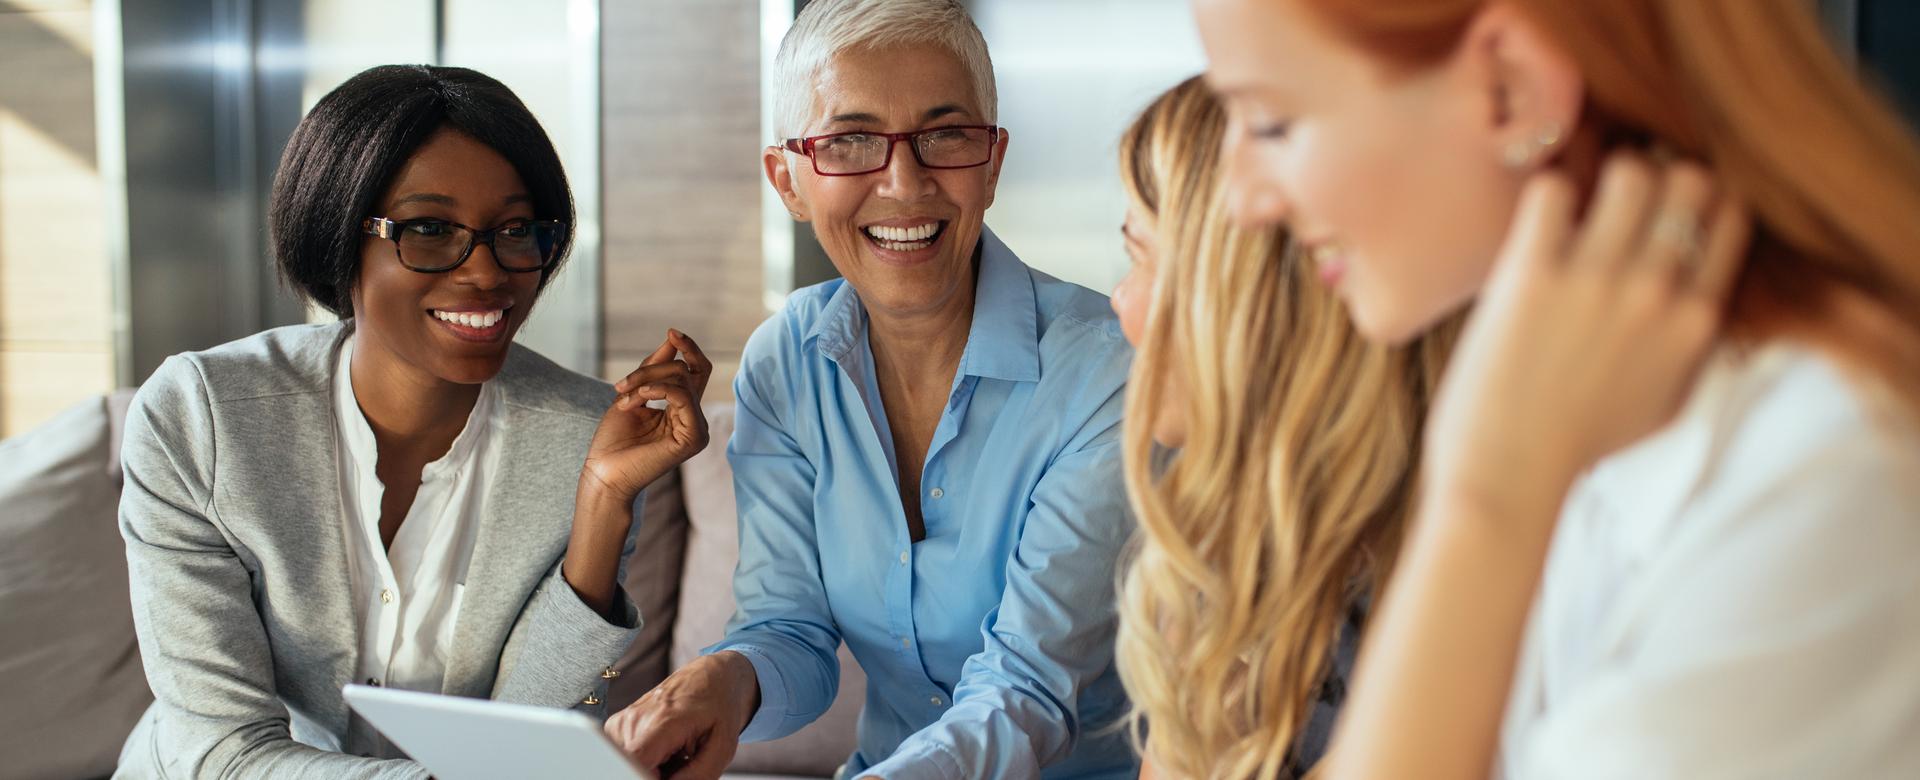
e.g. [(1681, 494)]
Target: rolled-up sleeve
[(782, 623), (1016, 707)]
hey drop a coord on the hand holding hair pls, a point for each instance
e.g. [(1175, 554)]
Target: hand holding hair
[(1589, 336)]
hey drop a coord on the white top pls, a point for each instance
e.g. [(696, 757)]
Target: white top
[(407, 597), (1735, 597)]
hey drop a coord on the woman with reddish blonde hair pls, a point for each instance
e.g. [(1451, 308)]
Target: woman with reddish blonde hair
[(1671, 495)]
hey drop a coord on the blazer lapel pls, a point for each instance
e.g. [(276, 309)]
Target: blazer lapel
[(288, 490), (522, 536), (328, 595)]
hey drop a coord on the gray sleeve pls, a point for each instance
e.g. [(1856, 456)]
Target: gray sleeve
[(560, 648), (201, 637)]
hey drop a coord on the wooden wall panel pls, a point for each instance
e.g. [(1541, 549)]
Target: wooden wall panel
[(55, 290), (681, 178)]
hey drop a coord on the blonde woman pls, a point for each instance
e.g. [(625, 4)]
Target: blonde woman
[(1671, 504), (1262, 539)]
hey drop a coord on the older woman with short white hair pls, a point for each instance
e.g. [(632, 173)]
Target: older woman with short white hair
[(927, 453)]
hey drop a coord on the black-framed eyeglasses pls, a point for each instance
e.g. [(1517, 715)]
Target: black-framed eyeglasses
[(436, 246), (856, 153)]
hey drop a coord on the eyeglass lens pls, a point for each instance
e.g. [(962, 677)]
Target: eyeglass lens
[(938, 148), (520, 246)]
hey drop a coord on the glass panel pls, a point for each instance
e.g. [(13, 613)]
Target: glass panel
[(548, 52), (1072, 74)]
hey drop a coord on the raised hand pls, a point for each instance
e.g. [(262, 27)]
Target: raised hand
[(1588, 337), (636, 443)]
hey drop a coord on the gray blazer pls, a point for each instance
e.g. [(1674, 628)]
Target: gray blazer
[(238, 563)]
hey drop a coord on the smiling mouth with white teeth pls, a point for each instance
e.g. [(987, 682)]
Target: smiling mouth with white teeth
[(905, 239), (473, 325)]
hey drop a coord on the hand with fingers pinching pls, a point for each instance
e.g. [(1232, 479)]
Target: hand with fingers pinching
[(634, 445), (1588, 337), (637, 443)]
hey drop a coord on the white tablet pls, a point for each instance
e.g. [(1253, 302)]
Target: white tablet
[(474, 739)]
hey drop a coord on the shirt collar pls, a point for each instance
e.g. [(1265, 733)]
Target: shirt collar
[(1004, 340)]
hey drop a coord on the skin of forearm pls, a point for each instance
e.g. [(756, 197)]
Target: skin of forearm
[(1432, 681), (600, 524)]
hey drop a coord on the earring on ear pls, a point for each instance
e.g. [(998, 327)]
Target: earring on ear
[(1520, 155)]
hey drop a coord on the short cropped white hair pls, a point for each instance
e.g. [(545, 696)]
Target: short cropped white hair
[(827, 27)]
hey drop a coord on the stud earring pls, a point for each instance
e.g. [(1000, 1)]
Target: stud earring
[(1521, 155)]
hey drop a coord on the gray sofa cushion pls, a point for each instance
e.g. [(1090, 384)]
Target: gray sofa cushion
[(652, 580), (706, 602), (71, 685)]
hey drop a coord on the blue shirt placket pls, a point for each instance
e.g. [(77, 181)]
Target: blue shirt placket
[(859, 373), (902, 577)]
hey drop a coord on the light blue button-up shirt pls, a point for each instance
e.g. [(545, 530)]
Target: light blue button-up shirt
[(988, 646)]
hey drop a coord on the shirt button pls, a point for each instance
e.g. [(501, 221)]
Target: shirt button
[(903, 559), (905, 642), (386, 596), (937, 702), (591, 700), (938, 493)]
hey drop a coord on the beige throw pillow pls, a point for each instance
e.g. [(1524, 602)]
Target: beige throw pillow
[(71, 684)]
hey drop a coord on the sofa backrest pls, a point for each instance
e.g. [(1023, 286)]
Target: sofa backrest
[(682, 576), (71, 684), (652, 579)]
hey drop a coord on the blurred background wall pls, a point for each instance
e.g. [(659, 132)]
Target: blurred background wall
[(138, 140), (56, 301)]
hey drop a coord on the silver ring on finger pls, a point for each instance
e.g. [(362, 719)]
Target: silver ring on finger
[(1683, 234)]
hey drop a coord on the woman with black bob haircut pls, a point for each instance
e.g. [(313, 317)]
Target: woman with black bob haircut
[(405, 497)]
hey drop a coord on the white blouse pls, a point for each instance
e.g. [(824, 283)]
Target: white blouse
[(407, 597), (1735, 597)]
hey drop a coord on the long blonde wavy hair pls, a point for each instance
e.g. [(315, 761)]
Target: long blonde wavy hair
[(1287, 499)]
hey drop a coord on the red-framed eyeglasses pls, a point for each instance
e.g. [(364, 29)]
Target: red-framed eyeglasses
[(863, 152)]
